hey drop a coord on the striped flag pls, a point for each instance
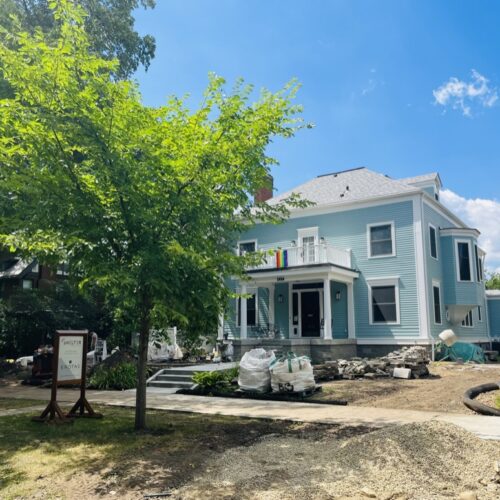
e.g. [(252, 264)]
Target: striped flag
[(281, 259)]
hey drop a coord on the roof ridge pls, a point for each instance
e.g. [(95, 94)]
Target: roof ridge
[(342, 172)]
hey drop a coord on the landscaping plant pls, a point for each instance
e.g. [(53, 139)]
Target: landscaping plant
[(120, 377), (220, 380)]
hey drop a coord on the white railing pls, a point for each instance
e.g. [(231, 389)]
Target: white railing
[(307, 255)]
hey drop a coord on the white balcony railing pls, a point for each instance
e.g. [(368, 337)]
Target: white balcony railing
[(306, 255)]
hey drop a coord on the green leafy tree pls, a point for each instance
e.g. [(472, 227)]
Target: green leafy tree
[(30, 317), (493, 281), (140, 200), (109, 25)]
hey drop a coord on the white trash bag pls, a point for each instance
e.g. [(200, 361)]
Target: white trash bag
[(254, 373), (292, 373)]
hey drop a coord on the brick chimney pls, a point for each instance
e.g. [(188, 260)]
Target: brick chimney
[(265, 192)]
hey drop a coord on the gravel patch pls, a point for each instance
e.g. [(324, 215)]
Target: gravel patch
[(489, 398), (432, 460)]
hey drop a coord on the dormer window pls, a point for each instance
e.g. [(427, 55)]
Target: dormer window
[(245, 247)]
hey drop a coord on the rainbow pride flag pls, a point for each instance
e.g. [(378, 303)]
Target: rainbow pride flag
[(281, 259)]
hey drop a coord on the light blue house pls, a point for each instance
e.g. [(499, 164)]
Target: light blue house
[(373, 264)]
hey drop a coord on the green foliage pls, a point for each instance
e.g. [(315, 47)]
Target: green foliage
[(218, 379), (493, 281), (119, 377), (141, 200), (109, 25), (30, 317)]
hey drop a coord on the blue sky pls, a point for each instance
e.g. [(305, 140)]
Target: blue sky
[(377, 82)]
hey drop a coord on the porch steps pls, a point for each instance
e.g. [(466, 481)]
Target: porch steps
[(182, 377), (171, 379)]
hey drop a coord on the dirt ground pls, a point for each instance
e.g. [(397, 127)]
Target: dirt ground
[(423, 461), (106, 459), (443, 391)]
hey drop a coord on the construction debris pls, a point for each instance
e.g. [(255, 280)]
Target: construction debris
[(415, 359)]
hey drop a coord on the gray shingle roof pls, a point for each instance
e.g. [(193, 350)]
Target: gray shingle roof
[(347, 187), (421, 178), (15, 270)]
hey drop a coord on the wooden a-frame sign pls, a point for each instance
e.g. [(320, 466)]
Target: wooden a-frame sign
[(69, 367)]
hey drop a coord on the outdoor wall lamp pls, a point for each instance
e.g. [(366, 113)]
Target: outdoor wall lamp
[(337, 296), (293, 243), (322, 240), (280, 299)]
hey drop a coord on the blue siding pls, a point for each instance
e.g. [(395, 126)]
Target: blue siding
[(452, 291), (494, 317), (263, 306), (339, 310), (281, 310), (348, 230)]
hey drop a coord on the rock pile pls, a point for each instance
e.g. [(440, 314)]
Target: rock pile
[(415, 358)]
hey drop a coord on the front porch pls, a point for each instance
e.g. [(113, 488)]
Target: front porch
[(302, 308)]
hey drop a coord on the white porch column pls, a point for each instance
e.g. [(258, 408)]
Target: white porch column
[(271, 304), (327, 309), (351, 323), (220, 330), (243, 312)]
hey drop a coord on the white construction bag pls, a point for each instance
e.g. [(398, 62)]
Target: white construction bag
[(254, 373), (292, 373)]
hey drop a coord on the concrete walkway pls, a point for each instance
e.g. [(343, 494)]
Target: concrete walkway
[(484, 427)]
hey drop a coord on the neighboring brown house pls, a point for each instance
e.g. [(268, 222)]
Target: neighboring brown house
[(16, 273)]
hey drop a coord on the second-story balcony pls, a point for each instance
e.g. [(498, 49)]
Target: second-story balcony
[(293, 256)]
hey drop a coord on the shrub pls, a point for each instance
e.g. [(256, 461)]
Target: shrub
[(119, 377), (219, 379)]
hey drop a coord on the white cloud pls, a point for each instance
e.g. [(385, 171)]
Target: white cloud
[(481, 214), (464, 95)]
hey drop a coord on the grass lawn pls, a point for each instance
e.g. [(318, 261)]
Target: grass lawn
[(90, 458), (11, 403)]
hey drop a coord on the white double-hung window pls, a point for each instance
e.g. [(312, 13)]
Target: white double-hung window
[(383, 295), (381, 240)]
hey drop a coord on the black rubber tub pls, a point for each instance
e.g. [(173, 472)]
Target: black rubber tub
[(472, 393)]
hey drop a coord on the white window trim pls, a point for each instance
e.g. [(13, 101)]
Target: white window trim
[(304, 232), (27, 287), (437, 284), (307, 232), (253, 291), (477, 265), (471, 319), (299, 310), (480, 314), (430, 243), (393, 238), (471, 259), (245, 241), (374, 282)]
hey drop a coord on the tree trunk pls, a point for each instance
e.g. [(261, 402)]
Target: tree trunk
[(142, 367)]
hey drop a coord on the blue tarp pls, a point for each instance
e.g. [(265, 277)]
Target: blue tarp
[(461, 350)]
